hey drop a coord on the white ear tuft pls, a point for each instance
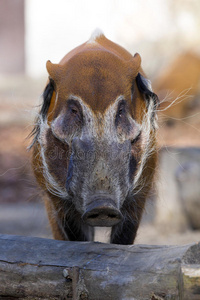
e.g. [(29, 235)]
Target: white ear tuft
[(95, 35)]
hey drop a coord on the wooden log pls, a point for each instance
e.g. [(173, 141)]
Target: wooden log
[(34, 268)]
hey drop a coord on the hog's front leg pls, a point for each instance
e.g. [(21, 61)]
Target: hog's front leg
[(125, 233)]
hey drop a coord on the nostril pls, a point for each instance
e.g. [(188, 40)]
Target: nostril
[(93, 216), (102, 215), (112, 216)]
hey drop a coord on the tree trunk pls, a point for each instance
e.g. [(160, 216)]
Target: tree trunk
[(34, 268)]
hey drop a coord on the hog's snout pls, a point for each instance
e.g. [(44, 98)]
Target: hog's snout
[(102, 212)]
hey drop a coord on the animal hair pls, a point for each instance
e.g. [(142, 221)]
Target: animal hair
[(147, 144), (47, 95), (144, 87), (148, 123), (51, 184), (181, 97), (96, 34)]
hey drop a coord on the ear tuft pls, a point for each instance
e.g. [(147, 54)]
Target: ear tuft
[(95, 35)]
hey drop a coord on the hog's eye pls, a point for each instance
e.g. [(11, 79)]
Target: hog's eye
[(121, 110), (123, 120), (69, 123), (74, 110), (121, 113), (137, 138)]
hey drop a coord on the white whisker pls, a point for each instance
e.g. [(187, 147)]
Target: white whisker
[(180, 98)]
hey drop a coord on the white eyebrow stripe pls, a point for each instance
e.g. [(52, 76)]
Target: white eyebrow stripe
[(52, 186), (92, 118), (100, 125), (148, 146)]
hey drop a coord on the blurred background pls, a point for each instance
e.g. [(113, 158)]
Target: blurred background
[(166, 33)]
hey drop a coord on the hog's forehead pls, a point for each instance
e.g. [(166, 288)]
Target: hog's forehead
[(97, 76), (100, 43)]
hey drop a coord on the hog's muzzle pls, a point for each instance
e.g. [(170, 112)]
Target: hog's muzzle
[(102, 212)]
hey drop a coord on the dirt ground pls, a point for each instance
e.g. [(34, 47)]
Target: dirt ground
[(21, 210)]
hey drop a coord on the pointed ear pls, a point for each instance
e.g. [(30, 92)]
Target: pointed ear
[(55, 71), (135, 64)]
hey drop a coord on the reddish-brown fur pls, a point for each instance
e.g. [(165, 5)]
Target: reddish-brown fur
[(98, 72)]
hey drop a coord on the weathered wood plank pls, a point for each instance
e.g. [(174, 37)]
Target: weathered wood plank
[(32, 268)]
